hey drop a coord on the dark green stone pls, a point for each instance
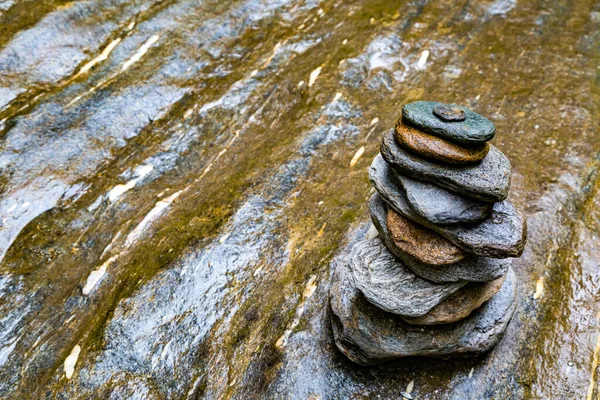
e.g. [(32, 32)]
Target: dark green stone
[(475, 129)]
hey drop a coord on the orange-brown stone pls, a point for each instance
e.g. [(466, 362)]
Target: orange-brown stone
[(437, 149), (421, 243), (460, 304)]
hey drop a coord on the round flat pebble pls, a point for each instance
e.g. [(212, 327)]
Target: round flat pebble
[(449, 113)]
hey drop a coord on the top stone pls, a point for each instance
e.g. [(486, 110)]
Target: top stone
[(449, 121)]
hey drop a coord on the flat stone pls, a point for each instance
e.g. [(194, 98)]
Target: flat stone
[(471, 268), (439, 206), (388, 284), (488, 180), (368, 335), (421, 243), (449, 113), (473, 130), (460, 304), (435, 148), (502, 234)]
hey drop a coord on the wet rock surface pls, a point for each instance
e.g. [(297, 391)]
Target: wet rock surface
[(367, 336), (172, 159), (502, 234), (437, 149), (488, 180), (449, 121), (478, 269), (391, 286)]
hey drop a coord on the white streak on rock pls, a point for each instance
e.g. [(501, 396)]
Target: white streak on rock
[(6, 351), (357, 156), (539, 288), (111, 244), (103, 56), (372, 232), (118, 190), (313, 76), (96, 275), (71, 360), (309, 290), (140, 53), (158, 209), (224, 237), (500, 7), (423, 59)]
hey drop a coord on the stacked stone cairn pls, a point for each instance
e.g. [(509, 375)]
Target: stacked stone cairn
[(434, 279)]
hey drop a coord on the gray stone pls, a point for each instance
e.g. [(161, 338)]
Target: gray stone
[(388, 284), (502, 234), (368, 335), (487, 180), (471, 268), (473, 129), (440, 206)]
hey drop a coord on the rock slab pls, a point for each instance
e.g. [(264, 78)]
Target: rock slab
[(421, 243), (388, 284), (473, 129), (488, 180), (460, 304), (368, 336), (440, 206), (436, 148)]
